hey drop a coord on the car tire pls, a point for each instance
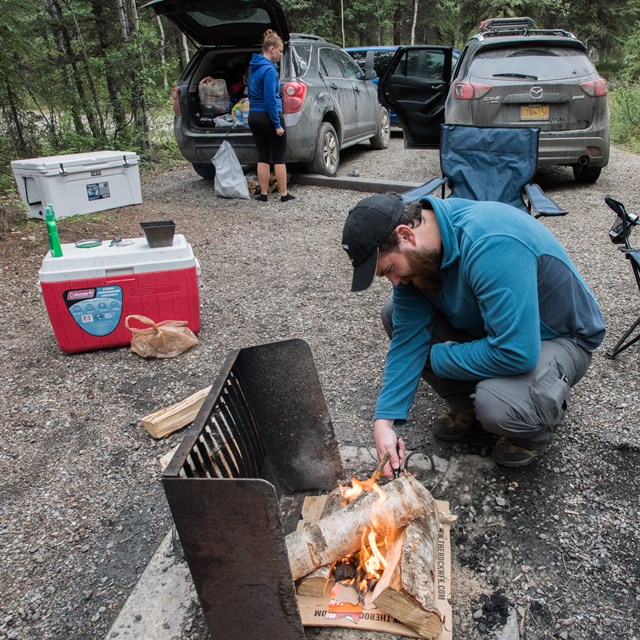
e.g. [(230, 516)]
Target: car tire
[(206, 171), (327, 154), (381, 139), (586, 175)]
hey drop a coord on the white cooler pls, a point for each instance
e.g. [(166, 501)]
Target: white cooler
[(78, 183)]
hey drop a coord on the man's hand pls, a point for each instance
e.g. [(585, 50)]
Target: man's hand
[(279, 131), (387, 441)]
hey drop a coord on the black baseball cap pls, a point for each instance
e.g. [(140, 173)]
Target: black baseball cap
[(367, 226)]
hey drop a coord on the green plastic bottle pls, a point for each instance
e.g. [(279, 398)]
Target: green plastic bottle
[(52, 230)]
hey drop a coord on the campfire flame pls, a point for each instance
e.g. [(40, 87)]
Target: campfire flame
[(370, 561)]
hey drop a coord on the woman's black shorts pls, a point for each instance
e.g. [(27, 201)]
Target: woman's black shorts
[(271, 147)]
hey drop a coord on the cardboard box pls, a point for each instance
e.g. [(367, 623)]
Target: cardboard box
[(78, 183), (88, 292)]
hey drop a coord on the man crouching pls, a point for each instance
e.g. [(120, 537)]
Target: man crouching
[(486, 306)]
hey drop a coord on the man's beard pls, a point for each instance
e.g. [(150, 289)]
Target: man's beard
[(425, 264)]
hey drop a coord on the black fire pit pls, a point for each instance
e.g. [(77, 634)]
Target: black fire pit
[(261, 442)]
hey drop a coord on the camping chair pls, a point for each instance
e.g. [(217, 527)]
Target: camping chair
[(490, 163), (619, 234)]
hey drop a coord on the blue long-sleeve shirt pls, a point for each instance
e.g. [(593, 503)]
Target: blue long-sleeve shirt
[(505, 279), (264, 88)]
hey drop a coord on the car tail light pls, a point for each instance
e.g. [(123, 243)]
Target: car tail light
[(294, 96), (175, 99), (470, 90), (595, 88)]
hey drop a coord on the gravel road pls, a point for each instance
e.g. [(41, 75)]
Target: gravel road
[(81, 507)]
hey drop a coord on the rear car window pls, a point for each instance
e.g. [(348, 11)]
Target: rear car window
[(300, 59), (548, 63), (250, 15)]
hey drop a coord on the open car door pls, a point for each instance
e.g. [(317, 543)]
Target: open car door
[(415, 86)]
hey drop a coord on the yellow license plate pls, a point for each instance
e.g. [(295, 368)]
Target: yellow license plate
[(537, 112)]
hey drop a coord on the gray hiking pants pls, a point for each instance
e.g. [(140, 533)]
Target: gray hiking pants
[(524, 408)]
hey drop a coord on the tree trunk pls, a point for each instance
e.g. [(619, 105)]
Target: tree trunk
[(397, 25), (163, 57), (95, 100), (133, 17), (74, 107), (185, 49), (339, 534), (15, 128), (125, 34), (415, 20), (64, 41), (103, 27), (139, 107)]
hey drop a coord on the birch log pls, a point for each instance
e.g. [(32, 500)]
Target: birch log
[(407, 588), (319, 582), (339, 534)]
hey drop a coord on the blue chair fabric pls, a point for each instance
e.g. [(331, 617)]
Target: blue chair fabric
[(491, 163)]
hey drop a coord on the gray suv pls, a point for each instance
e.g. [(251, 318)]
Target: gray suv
[(328, 102), (509, 74)]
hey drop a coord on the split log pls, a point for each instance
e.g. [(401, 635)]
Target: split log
[(407, 589), (339, 534), (319, 582), (165, 421)]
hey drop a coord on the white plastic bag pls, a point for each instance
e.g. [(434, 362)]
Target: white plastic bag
[(229, 181), (209, 88)]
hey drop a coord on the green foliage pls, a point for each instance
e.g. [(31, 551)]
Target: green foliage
[(631, 56), (625, 116)]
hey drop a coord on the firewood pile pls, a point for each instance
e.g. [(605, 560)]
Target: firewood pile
[(375, 547)]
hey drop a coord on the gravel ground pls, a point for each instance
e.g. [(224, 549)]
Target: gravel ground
[(81, 507)]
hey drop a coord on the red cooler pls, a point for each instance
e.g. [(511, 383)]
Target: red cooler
[(90, 290)]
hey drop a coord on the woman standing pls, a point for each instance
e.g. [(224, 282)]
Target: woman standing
[(265, 113)]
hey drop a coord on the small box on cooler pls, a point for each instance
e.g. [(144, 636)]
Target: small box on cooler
[(78, 183), (88, 292)]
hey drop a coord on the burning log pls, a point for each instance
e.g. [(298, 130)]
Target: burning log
[(339, 534), (408, 587)]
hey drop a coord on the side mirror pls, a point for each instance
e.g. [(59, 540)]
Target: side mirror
[(370, 74)]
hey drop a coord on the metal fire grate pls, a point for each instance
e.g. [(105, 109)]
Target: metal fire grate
[(261, 442)]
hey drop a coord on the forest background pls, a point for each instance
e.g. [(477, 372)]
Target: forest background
[(81, 75)]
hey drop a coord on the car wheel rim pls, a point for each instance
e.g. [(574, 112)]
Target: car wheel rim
[(385, 127), (330, 152)]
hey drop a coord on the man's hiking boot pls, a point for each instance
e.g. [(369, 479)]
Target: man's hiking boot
[(508, 454), (455, 425)]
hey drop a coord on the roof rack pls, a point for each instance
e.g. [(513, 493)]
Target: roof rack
[(505, 23), (526, 32), (494, 27)]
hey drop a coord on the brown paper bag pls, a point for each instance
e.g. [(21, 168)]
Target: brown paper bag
[(166, 339)]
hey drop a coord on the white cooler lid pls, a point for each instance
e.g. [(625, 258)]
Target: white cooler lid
[(107, 261), (70, 160)]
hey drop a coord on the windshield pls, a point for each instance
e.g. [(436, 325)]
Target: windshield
[(553, 63), (248, 15)]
